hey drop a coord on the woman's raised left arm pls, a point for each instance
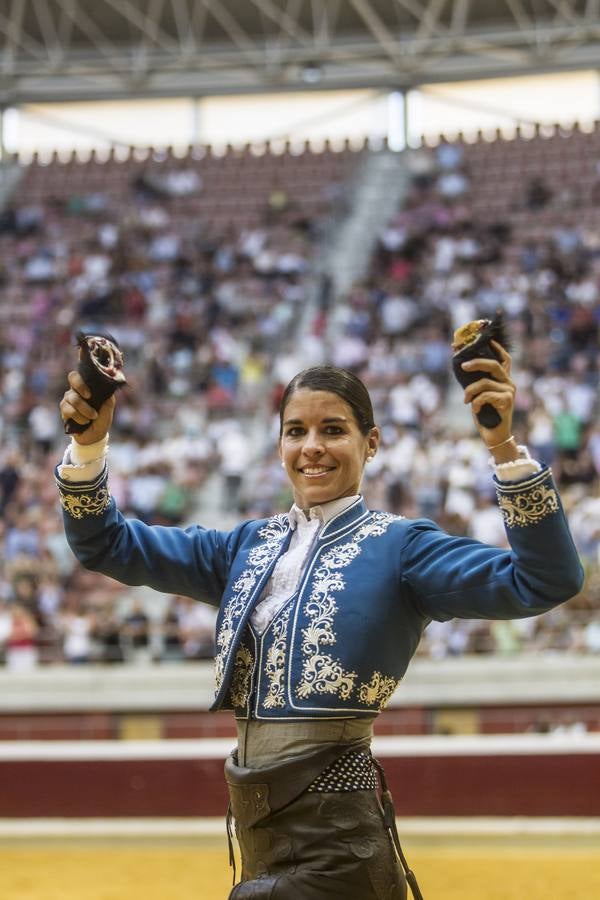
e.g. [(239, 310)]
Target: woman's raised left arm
[(456, 576)]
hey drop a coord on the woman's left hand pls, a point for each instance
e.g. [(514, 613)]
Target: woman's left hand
[(499, 391)]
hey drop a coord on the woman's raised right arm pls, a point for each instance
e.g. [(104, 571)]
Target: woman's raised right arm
[(192, 561)]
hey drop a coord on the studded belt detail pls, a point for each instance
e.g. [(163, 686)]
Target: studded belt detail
[(354, 771)]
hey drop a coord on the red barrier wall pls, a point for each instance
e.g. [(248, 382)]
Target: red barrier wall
[(547, 784)]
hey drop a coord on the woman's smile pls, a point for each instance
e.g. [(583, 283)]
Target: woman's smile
[(316, 471)]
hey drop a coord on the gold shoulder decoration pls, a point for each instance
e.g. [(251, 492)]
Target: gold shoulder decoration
[(527, 507), (80, 505), (378, 690)]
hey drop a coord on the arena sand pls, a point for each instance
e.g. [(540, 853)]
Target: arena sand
[(191, 873)]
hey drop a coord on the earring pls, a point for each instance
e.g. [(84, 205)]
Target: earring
[(370, 457), (282, 464)]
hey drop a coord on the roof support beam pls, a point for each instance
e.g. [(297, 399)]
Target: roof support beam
[(460, 15), (413, 7), (182, 18), (146, 24), (12, 27), (82, 21), (429, 24), (199, 15), (592, 10), (334, 9), (65, 28), (48, 30), (142, 53), (323, 16), (68, 49), (12, 35), (237, 35), (183, 22), (282, 18), (190, 26), (378, 29), (564, 11), (293, 9), (519, 14)]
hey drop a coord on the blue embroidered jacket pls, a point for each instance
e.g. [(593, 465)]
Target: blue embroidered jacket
[(372, 582)]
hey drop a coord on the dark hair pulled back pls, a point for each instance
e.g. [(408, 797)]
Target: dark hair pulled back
[(337, 381)]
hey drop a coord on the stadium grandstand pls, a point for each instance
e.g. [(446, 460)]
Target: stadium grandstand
[(224, 270)]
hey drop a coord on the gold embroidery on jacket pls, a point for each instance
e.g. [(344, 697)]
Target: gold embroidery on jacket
[(527, 507), (321, 672), (259, 560), (242, 676), (377, 691), (80, 505), (275, 664)]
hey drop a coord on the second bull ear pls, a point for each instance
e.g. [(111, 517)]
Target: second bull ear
[(473, 341)]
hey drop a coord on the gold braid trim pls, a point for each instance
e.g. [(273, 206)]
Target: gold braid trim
[(527, 507), (80, 505), (275, 665), (242, 676)]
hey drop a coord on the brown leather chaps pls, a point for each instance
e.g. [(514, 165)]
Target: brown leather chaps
[(300, 845)]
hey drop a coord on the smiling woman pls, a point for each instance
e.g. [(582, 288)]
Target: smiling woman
[(326, 434), (322, 447), (320, 613)]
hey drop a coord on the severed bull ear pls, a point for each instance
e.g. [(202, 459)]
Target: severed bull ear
[(101, 367), (472, 341)]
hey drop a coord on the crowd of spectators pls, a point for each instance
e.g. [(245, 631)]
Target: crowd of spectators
[(207, 322), (199, 313)]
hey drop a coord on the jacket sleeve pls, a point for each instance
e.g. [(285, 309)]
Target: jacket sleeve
[(459, 577), (193, 561)]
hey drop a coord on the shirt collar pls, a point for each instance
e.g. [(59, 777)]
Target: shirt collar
[(324, 512)]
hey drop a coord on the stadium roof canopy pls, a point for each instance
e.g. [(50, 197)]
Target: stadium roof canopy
[(92, 49)]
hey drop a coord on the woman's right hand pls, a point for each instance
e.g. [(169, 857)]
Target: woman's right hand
[(74, 406)]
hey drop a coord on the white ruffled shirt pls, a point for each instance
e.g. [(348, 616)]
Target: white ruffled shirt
[(86, 462), (306, 526)]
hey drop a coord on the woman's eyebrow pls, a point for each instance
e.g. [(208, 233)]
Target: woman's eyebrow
[(323, 421)]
